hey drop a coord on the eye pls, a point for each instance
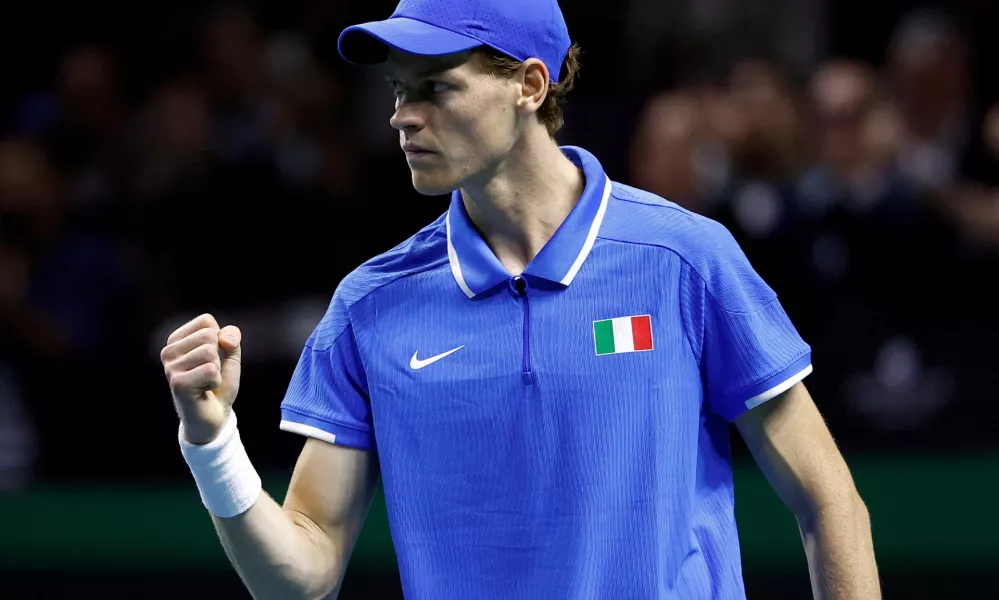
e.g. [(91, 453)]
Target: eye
[(431, 88), (397, 88)]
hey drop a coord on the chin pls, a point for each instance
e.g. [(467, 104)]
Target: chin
[(432, 184)]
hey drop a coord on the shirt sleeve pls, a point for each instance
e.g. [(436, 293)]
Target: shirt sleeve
[(747, 347), (327, 397)]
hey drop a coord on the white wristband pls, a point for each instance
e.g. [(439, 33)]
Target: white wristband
[(228, 483)]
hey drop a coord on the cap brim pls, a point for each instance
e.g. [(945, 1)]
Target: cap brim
[(369, 43)]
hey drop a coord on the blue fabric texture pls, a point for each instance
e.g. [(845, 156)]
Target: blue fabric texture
[(596, 476), (521, 29)]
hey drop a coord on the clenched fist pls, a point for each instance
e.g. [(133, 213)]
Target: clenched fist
[(202, 365)]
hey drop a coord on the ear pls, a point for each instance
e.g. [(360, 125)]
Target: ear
[(534, 85)]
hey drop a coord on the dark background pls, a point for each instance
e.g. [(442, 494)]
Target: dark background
[(160, 160)]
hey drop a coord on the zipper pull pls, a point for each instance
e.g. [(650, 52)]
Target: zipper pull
[(520, 285)]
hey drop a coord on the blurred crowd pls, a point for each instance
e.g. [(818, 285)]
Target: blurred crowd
[(867, 198), (250, 170)]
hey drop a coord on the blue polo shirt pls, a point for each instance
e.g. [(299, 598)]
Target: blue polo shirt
[(563, 433)]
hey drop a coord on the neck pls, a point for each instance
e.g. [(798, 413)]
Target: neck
[(523, 202)]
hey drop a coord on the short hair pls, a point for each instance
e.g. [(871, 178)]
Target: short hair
[(551, 114)]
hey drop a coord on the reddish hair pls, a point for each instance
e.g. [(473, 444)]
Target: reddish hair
[(551, 114)]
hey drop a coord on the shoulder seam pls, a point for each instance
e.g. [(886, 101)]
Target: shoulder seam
[(312, 346), (691, 266), (427, 267), (634, 201), (696, 352), (348, 307)]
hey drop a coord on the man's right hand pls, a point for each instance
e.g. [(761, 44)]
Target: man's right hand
[(202, 365)]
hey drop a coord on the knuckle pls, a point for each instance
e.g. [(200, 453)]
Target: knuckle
[(208, 320), (175, 380), (197, 339), (209, 335), (207, 353), (175, 335), (213, 376)]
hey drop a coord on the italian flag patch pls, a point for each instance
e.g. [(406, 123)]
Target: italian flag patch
[(623, 334)]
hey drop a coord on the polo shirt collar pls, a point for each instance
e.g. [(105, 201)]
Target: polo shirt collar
[(476, 269)]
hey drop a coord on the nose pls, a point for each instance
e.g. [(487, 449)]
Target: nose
[(407, 116)]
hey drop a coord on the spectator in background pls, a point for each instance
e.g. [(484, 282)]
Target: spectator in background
[(766, 97), (65, 297), (186, 183), (236, 81), (847, 180), (855, 139), (82, 125), (718, 33), (61, 283), (929, 77), (176, 159), (717, 149), (730, 152), (768, 153), (674, 155), (175, 138), (310, 144), (885, 271)]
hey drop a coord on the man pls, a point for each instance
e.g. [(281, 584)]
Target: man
[(542, 377)]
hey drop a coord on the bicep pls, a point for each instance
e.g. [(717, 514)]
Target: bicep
[(796, 452), (332, 486)]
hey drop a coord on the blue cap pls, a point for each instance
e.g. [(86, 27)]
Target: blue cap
[(520, 29)]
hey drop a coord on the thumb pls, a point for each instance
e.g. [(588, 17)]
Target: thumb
[(230, 338)]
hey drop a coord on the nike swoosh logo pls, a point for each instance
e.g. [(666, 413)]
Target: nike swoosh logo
[(417, 364)]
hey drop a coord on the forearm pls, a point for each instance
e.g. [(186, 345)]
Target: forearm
[(840, 551), (279, 554), (296, 551)]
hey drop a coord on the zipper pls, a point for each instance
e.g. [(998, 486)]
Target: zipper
[(527, 372)]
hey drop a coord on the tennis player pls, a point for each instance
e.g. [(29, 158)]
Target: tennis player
[(542, 378)]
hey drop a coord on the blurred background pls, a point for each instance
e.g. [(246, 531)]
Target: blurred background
[(163, 159)]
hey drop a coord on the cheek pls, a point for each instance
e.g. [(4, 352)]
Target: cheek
[(489, 125)]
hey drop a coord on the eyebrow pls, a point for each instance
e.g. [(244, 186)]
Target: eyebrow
[(440, 67), (423, 74)]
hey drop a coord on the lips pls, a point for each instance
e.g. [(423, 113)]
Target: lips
[(416, 150)]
